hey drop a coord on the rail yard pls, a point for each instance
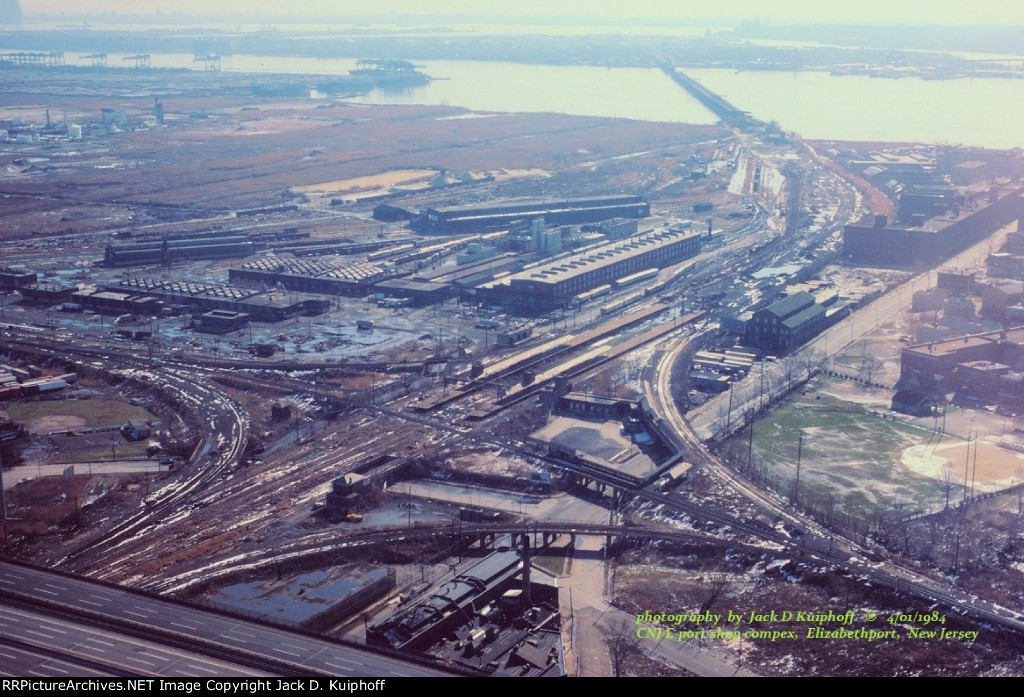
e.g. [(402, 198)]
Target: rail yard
[(341, 334)]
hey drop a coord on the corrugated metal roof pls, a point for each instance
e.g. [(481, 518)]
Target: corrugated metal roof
[(791, 304)]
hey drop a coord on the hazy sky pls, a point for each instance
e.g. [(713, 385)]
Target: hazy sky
[(875, 11)]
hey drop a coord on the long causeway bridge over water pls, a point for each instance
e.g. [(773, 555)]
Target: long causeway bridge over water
[(728, 113)]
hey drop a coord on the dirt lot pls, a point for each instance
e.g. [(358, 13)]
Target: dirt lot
[(45, 416), (693, 581)]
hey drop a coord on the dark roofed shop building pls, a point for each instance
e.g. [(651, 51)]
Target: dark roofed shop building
[(786, 323), (421, 625), (928, 241), (416, 291), (15, 278), (222, 321), (493, 216)]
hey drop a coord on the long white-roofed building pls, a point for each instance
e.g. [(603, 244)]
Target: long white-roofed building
[(559, 281)]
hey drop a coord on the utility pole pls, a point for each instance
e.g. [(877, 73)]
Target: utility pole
[(974, 466), (3, 500), (750, 446), (760, 388), (796, 484), (967, 467), (728, 416)]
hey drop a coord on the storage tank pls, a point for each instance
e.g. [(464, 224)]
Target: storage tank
[(74, 131)]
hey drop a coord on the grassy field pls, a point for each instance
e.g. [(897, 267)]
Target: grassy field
[(96, 412), (101, 452), (847, 452)]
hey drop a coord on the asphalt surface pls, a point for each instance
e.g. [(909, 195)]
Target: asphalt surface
[(176, 623)]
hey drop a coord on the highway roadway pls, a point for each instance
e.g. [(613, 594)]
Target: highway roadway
[(21, 661), (34, 643), (168, 623)]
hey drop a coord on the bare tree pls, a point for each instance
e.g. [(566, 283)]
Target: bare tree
[(623, 644), (949, 479), (811, 360), (602, 383), (790, 366), (713, 588), (869, 367), (1020, 490)]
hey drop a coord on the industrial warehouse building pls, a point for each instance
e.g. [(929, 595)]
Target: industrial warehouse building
[(422, 625), (473, 274), (416, 291), (222, 321), (259, 305), (388, 213), (169, 251), (311, 276), (614, 228), (14, 278), (563, 279), (926, 242), (46, 293), (785, 324), (986, 367), (115, 302), (482, 217), (1008, 262), (928, 200)]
